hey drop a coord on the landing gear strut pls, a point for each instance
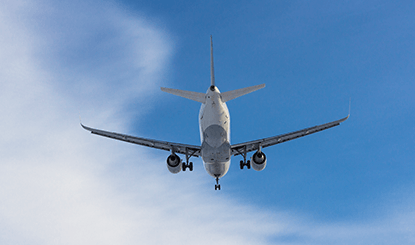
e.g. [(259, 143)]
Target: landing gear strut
[(188, 164), (244, 163), (217, 186)]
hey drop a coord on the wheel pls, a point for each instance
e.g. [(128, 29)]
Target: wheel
[(191, 166), (217, 187), (248, 164), (241, 164), (184, 166)]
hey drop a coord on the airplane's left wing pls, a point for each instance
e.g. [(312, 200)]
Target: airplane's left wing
[(162, 145), (243, 148)]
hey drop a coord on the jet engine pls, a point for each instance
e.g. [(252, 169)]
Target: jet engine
[(258, 161), (174, 164)]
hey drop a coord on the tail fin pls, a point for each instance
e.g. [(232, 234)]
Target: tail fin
[(230, 95), (212, 72), (199, 97)]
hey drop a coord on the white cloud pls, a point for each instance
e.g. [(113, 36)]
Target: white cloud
[(61, 185)]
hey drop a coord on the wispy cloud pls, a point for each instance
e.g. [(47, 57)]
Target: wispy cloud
[(57, 181), (60, 185)]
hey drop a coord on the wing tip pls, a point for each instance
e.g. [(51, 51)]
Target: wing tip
[(85, 127), (343, 119)]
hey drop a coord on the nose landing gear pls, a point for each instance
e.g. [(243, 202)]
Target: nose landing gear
[(217, 186)]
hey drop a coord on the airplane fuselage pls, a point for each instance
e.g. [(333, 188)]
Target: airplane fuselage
[(214, 125)]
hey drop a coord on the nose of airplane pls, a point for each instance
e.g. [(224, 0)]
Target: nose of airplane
[(217, 170)]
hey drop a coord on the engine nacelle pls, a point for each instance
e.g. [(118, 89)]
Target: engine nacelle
[(258, 161), (174, 164)]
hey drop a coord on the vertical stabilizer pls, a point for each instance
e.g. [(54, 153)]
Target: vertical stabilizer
[(212, 72)]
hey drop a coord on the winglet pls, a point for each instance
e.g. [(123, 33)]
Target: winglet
[(212, 72), (85, 127)]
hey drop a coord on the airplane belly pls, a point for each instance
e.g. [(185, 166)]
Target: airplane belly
[(215, 136), (213, 113), (216, 151)]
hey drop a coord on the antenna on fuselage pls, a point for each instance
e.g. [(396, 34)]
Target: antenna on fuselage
[(212, 73)]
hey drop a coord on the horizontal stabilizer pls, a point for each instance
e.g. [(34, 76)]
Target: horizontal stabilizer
[(230, 95), (199, 97)]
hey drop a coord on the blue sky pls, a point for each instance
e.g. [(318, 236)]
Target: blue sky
[(313, 56), (105, 61)]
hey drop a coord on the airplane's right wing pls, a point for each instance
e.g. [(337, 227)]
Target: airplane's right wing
[(191, 150), (243, 148)]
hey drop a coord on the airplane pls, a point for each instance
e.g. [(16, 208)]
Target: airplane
[(214, 125)]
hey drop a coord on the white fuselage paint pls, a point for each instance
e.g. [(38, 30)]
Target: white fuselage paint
[(214, 125)]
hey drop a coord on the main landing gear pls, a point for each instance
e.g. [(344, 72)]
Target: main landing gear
[(242, 164), (189, 165), (242, 151), (217, 186)]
